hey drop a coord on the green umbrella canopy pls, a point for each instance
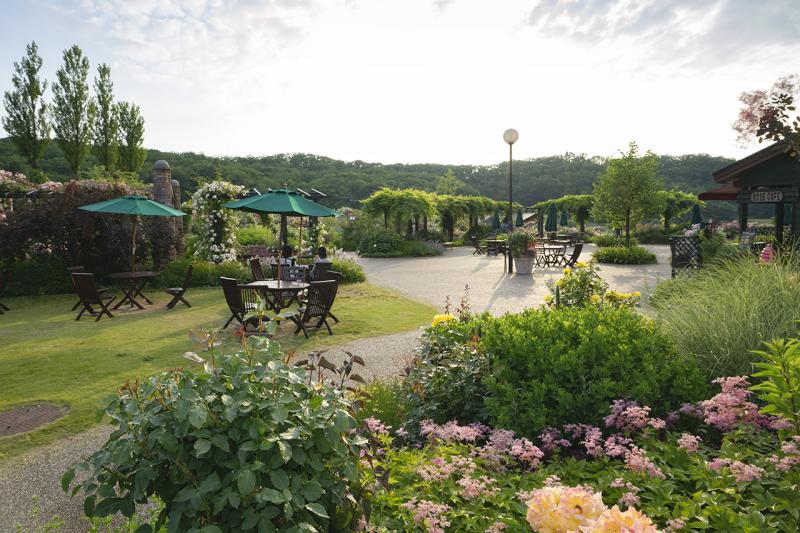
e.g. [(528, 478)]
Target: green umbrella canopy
[(282, 202), (552, 215), (563, 221), (496, 219), (519, 222), (696, 218), (135, 206)]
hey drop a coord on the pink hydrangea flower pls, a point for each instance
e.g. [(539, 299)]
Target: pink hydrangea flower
[(451, 431), (593, 442), (688, 442), (471, 488), (497, 527), (551, 439), (617, 445), (637, 461), (731, 407), (376, 427), (428, 514), (676, 524), (627, 415)]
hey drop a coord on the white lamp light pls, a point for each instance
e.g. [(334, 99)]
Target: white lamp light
[(510, 136)]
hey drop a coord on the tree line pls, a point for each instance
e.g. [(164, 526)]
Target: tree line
[(81, 121)]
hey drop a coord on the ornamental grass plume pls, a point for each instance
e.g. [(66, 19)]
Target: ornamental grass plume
[(560, 509)]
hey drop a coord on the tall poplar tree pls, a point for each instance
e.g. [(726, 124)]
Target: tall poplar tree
[(26, 121), (73, 108), (131, 127), (106, 124)]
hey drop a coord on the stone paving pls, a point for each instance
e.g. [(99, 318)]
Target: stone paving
[(434, 279)]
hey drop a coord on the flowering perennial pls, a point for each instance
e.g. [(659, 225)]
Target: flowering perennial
[(214, 225)]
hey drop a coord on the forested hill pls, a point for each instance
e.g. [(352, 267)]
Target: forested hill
[(346, 183)]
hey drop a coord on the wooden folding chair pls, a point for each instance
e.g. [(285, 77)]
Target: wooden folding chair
[(318, 305), (178, 292), (240, 300), (256, 270), (576, 253), (90, 297)]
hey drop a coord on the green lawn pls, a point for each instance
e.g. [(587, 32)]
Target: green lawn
[(46, 355)]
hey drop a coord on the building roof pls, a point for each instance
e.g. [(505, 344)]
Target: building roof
[(728, 191), (730, 173)]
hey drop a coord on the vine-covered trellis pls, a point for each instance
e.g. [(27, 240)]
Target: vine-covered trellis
[(213, 225)]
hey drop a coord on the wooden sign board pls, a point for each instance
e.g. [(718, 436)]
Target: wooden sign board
[(766, 197)]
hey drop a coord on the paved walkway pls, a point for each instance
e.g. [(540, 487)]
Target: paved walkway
[(433, 279)]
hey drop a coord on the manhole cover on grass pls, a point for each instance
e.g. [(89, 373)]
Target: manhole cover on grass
[(28, 417)]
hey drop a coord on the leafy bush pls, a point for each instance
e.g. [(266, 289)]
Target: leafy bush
[(651, 234), (714, 246), (31, 277), (578, 286), (254, 235), (241, 447), (385, 401), (205, 274), (380, 243), (721, 313), (605, 240), (446, 377), (780, 388), (430, 235), (624, 255), (416, 248), (564, 365), (351, 271), (351, 232)]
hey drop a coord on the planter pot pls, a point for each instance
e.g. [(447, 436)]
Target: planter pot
[(524, 265)]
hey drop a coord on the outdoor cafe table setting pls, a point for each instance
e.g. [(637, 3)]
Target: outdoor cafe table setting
[(276, 290), (553, 253), (131, 284)]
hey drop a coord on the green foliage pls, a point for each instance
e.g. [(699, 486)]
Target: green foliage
[(624, 255), (714, 246), (445, 381), (380, 243), (351, 271), (205, 273), (73, 109), (520, 241), (780, 388), (674, 204), (579, 205), (105, 130), (213, 225), (384, 400), (418, 248), (131, 129), (651, 234), (448, 183), (26, 120), (244, 446), (37, 277), (578, 285), (628, 191), (602, 241), (724, 311), (254, 234), (566, 365), (352, 231)]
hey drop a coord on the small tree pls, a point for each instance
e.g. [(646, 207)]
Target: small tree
[(131, 127), (106, 125), (449, 183), (675, 203), (26, 121), (73, 109), (766, 115), (628, 190), (381, 202)]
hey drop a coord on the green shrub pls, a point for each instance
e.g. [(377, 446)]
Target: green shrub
[(605, 240), (716, 247), (567, 365), (243, 447), (380, 243), (385, 401), (351, 271), (351, 232), (446, 378), (254, 235), (650, 234), (31, 277), (205, 274), (417, 248), (624, 255), (722, 312)]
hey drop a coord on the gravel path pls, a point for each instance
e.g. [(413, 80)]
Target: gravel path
[(38, 474)]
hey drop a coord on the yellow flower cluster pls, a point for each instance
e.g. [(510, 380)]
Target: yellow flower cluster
[(614, 521), (581, 264), (560, 509), (596, 298), (439, 319), (614, 296)]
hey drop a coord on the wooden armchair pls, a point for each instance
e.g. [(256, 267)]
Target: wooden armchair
[(321, 295), (90, 297)]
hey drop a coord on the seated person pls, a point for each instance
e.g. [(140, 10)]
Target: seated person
[(322, 256), (287, 255)]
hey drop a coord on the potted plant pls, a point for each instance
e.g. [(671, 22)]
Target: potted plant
[(520, 244)]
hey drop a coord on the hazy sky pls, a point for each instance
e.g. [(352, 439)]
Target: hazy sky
[(422, 80)]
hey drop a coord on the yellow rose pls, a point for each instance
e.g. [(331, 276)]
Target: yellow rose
[(567, 271), (595, 298), (580, 264)]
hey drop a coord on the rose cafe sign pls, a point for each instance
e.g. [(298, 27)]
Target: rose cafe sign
[(766, 197)]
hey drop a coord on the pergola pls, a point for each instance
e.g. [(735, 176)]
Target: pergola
[(769, 176)]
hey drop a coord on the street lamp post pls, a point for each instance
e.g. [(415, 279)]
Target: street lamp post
[(510, 136)]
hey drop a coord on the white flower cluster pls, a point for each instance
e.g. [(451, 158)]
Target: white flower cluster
[(213, 224)]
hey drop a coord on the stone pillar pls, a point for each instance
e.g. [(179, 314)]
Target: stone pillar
[(166, 234)]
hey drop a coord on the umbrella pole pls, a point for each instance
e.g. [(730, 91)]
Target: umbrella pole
[(133, 245), (284, 231), (300, 240)]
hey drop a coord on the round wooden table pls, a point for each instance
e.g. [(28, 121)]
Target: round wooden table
[(131, 284), (275, 291)]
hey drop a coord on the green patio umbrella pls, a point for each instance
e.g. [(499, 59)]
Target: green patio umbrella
[(564, 220), (496, 219), (519, 222), (134, 206), (696, 218), (282, 202), (551, 224)]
